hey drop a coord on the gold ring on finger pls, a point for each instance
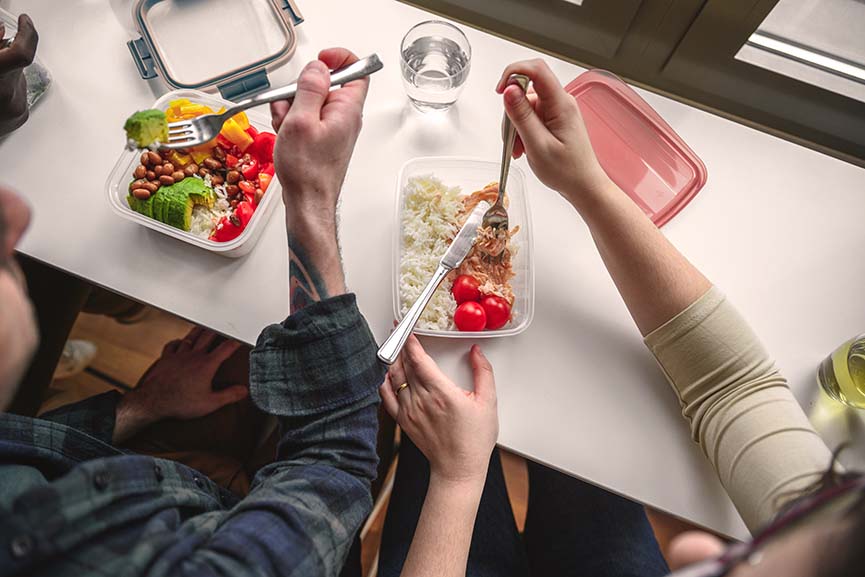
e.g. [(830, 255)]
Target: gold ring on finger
[(401, 387)]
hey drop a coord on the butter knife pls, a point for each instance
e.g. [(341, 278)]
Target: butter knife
[(453, 258)]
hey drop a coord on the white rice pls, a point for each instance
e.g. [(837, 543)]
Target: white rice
[(204, 218), (429, 216)]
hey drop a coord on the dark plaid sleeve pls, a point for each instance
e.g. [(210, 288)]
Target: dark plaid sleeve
[(93, 415)]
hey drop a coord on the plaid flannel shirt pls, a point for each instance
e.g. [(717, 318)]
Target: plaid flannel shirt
[(72, 504)]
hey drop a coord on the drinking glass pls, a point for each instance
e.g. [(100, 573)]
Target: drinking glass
[(842, 374), (435, 61)]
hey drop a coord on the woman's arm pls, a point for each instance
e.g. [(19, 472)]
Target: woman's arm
[(456, 430), (739, 407)]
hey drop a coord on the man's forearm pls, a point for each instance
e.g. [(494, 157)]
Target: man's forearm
[(314, 264), (443, 537)]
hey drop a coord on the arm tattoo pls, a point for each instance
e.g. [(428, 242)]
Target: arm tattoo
[(305, 284)]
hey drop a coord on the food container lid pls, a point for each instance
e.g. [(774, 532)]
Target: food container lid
[(198, 44), (639, 151)]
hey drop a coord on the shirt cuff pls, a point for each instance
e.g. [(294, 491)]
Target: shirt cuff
[(319, 359), (94, 415)]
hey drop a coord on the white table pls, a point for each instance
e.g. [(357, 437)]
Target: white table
[(778, 226)]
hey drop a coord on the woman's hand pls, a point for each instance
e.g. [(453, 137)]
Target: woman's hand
[(455, 429), (551, 132)]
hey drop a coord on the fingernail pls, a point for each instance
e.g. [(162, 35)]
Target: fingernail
[(514, 95), (316, 66)]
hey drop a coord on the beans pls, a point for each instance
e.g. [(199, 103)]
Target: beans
[(140, 171), (218, 153), (258, 194), (166, 180), (150, 175), (233, 177), (232, 189), (167, 168), (212, 163), (153, 157), (137, 184), (178, 175), (145, 159), (203, 172), (141, 193), (151, 186), (191, 169), (216, 180), (233, 203), (158, 170)]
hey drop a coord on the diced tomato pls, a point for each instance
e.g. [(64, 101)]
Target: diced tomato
[(244, 212), (262, 147), (264, 180), (250, 130), (268, 169), (247, 187), (231, 160), (470, 316), (226, 230), (249, 169)]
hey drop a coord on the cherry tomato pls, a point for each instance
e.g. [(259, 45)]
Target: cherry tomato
[(246, 186), (227, 229), (249, 169), (244, 212), (498, 311), (231, 160), (264, 180), (465, 289), (470, 316)]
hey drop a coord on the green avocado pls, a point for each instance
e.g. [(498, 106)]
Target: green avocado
[(146, 128), (173, 204)]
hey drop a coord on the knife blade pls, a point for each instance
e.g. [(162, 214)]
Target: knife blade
[(465, 238)]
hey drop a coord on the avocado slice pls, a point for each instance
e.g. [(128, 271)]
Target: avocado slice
[(144, 207), (173, 204)]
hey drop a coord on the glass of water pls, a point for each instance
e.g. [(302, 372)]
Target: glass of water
[(436, 57)]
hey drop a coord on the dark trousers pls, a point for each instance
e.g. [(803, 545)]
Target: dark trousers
[(572, 528)]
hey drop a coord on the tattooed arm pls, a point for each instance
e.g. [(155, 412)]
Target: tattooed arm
[(316, 136)]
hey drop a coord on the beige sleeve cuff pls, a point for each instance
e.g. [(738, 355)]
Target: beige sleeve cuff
[(739, 407)]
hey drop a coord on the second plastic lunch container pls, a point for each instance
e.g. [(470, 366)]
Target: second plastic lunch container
[(117, 186), (471, 175), (214, 45)]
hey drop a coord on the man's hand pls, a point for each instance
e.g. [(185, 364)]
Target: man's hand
[(455, 429), (14, 57), (316, 134), (179, 385)]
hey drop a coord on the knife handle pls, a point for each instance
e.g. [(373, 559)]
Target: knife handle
[(390, 349)]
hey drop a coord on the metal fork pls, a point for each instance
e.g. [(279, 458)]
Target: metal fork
[(187, 133), (497, 217)]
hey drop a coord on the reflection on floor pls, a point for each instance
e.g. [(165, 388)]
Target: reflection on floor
[(125, 352)]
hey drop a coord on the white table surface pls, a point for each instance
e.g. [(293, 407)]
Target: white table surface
[(778, 227)]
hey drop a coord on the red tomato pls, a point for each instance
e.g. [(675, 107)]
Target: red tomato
[(470, 316), (249, 169), (498, 311), (268, 169), (226, 230), (252, 131), (465, 289), (231, 160), (244, 212), (246, 186), (262, 147)]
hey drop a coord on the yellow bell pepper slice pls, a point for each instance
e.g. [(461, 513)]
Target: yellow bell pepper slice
[(236, 135), (199, 155), (178, 159)]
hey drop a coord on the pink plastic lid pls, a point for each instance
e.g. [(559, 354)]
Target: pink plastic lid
[(638, 150)]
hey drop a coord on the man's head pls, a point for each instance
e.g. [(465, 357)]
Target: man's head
[(18, 334)]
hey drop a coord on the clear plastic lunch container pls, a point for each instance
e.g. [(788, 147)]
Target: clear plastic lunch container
[(471, 175), (225, 44), (117, 186)]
